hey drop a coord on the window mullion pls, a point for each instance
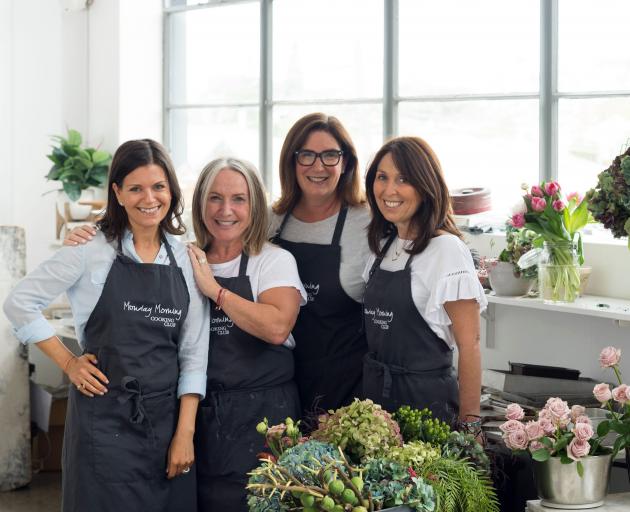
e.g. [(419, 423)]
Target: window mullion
[(266, 95), (548, 107), (390, 71)]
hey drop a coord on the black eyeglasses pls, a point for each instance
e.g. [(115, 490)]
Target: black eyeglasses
[(329, 157)]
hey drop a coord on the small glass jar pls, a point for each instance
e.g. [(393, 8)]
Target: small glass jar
[(559, 272)]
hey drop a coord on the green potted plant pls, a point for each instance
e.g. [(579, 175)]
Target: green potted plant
[(78, 169)]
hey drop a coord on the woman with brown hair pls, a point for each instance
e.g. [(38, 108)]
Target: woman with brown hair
[(422, 296), (143, 327), (321, 218)]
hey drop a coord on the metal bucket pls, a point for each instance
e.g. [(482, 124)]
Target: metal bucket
[(560, 486)]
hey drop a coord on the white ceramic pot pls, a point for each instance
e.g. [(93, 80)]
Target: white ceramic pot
[(504, 283), (76, 211)]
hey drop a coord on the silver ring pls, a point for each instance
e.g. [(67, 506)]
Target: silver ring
[(186, 470), (202, 261)]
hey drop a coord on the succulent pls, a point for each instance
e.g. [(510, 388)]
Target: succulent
[(362, 430), (464, 446)]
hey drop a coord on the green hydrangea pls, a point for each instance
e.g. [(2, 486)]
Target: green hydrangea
[(414, 454), (304, 460), (362, 430)]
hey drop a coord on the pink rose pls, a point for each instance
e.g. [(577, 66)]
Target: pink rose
[(582, 419), (621, 393), (583, 431), (602, 392), (578, 449), (537, 191), (576, 412), (552, 188), (535, 445), (534, 430), (514, 412), (512, 426), (575, 196), (558, 205), (516, 440), (559, 410), (518, 220), (538, 204), (609, 357)]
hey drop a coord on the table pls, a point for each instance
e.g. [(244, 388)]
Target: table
[(619, 502)]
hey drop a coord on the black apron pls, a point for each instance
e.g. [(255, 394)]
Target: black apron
[(407, 363), (115, 446), (329, 339), (248, 380)]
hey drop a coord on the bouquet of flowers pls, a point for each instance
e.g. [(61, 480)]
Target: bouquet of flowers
[(560, 431), (558, 221), (616, 400), (609, 201), (518, 242)]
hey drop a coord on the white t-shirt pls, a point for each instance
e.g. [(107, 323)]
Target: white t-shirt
[(443, 272), (272, 268), (354, 245)]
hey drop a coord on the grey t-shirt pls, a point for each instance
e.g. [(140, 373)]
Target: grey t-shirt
[(354, 245)]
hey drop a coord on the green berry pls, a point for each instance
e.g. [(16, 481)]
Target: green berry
[(307, 500), (328, 503), (357, 481), (336, 487), (349, 497), (261, 428)]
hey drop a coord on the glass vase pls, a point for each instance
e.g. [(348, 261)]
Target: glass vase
[(559, 273)]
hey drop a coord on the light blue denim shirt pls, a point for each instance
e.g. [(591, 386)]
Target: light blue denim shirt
[(80, 272)]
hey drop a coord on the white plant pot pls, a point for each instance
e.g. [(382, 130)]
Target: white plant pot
[(504, 283), (76, 211)]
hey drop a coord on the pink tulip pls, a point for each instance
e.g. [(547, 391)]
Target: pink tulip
[(537, 191), (534, 430), (552, 188), (602, 392), (516, 440), (518, 220), (621, 393), (578, 449), (514, 412), (575, 196), (558, 205), (583, 431), (538, 204), (609, 357)]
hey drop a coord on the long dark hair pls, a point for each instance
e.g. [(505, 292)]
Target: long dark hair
[(349, 186), (128, 157), (417, 162)]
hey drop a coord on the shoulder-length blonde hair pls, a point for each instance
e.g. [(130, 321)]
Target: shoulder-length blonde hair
[(255, 235), (418, 163), (349, 187)]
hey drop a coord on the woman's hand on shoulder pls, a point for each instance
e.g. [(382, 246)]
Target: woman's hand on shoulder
[(80, 235), (203, 274)]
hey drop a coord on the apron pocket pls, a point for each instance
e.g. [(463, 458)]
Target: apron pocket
[(124, 451)]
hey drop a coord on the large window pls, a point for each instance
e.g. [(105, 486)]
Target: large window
[(506, 92)]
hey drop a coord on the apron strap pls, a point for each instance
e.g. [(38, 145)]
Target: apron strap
[(242, 269), (169, 251), (379, 259), (132, 391), (276, 237), (341, 219)]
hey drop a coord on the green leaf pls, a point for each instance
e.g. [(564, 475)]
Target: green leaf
[(603, 428), (580, 468), (101, 157), (564, 459), (547, 442), (541, 455), (74, 138), (54, 172), (73, 190)]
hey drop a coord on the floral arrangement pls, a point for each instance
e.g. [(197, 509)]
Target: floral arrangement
[(558, 220), (338, 470), (609, 201), (616, 400), (560, 431), (518, 241)]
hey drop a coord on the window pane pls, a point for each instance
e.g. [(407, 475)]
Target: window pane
[(451, 47), (363, 123), (327, 49), (593, 45), (591, 133), (490, 144), (214, 55), (199, 135)]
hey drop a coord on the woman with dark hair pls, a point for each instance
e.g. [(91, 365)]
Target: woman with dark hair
[(321, 218), (422, 296), (143, 327)]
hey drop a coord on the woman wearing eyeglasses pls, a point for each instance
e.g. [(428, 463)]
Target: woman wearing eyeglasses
[(321, 218)]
